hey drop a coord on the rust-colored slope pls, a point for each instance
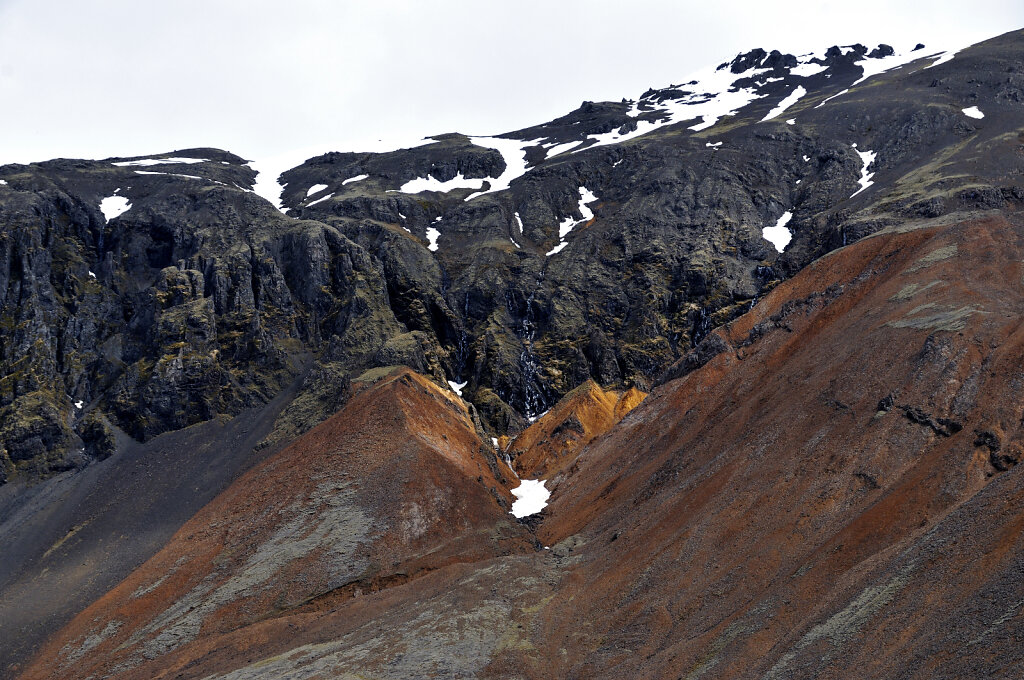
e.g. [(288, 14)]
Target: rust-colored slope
[(394, 487), (551, 444), (778, 514), (834, 494)]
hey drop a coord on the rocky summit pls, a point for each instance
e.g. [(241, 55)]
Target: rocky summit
[(759, 334)]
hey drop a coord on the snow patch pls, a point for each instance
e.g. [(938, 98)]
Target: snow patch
[(178, 174), (316, 188), (557, 249), (514, 153), (79, 404), (159, 161), (561, 148), (807, 69), (867, 158), (92, 275), (531, 497), (357, 178), (431, 183), (457, 386), (319, 200), (875, 66), (519, 221), (709, 96), (786, 103), (566, 226), (402, 216), (943, 58), (112, 206), (779, 235), (791, 121), (3, 182), (837, 94), (432, 236), (973, 112), (806, 158), (713, 146)]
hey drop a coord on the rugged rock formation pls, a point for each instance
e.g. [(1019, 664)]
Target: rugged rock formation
[(591, 253), (550, 445), (825, 475)]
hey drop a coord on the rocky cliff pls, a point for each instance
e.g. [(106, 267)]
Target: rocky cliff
[(829, 417)]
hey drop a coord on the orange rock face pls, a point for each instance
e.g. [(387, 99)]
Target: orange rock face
[(824, 495), (394, 487), (551, 444)]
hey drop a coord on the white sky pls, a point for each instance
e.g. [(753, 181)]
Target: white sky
[(99, 78)]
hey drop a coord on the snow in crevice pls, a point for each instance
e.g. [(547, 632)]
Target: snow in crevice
[(531, 497), (79, 404), (319, 200), (519, 222), (159, 161), (178, 174), (567, 225), (112, 206), (316, 188), (779, 235), (837, 94), (867, 158), (432, 236), (357, 178), (92, 274), (793, 97), (557, 249), (973, 112), (457, 386)]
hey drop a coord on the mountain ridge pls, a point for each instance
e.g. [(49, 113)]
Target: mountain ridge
[(632, 256)]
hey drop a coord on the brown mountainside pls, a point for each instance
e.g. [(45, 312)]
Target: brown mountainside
[(837, 489)]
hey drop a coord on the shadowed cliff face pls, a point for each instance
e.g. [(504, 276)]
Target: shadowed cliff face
[(823, 477)]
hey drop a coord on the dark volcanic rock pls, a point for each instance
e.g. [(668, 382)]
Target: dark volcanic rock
[(201, 298)]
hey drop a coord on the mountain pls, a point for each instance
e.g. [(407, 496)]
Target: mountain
[(247, 441)]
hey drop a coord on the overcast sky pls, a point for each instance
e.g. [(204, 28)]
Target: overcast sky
[(99, 78)]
